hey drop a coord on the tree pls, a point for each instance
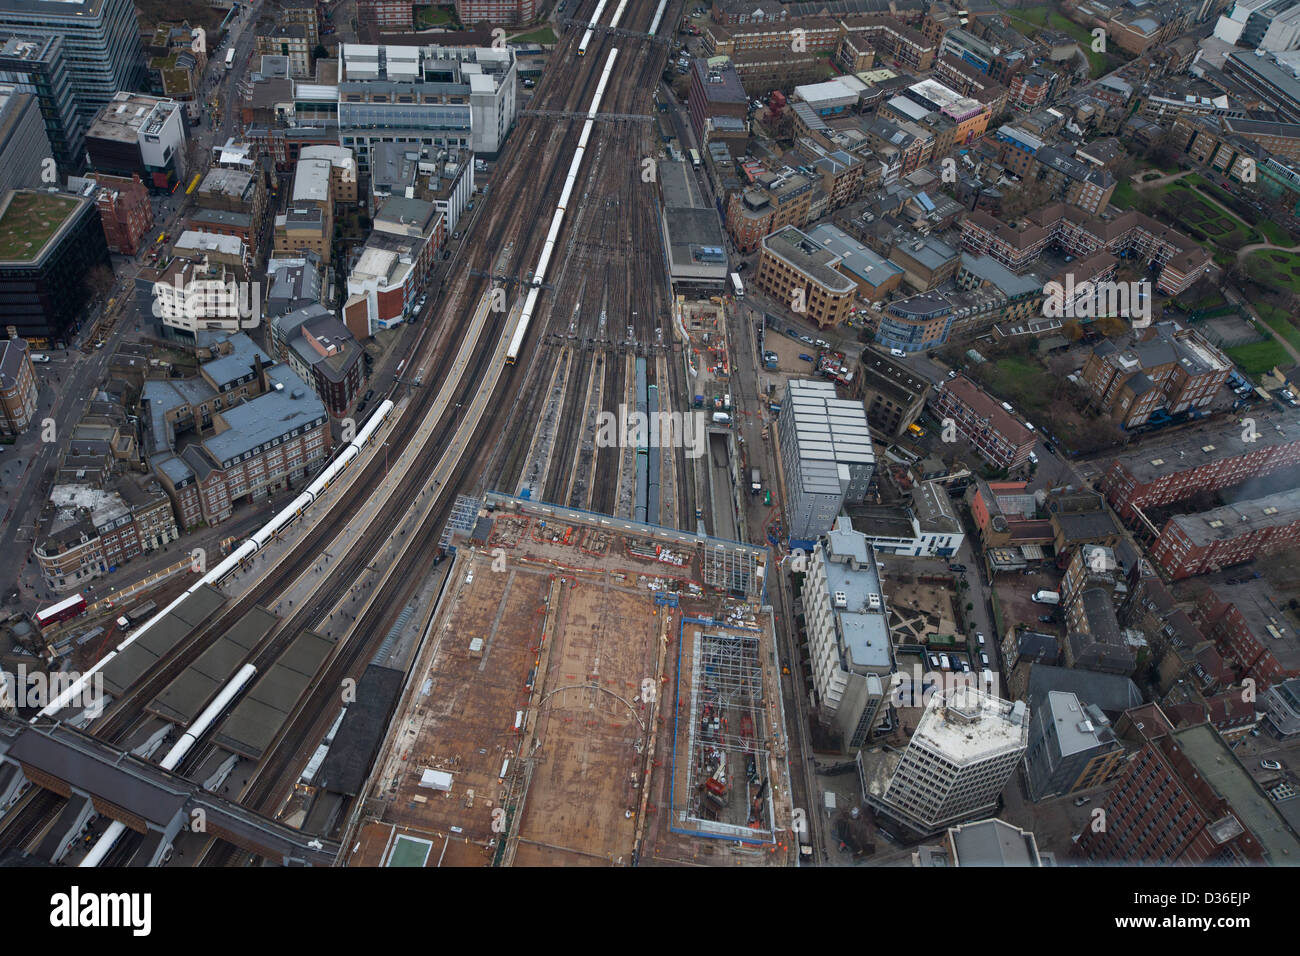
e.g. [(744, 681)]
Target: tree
[(1232, 241), (1032, 194), (99, 281), (1072, 330), (320, 53), (1110, 325)]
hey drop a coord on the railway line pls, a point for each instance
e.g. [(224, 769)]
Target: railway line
[(505, 243)]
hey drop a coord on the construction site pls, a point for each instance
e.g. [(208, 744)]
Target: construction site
[(590, 692)]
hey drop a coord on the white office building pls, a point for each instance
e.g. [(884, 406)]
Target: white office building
[(848, 634), (449, 97), (964, 750)]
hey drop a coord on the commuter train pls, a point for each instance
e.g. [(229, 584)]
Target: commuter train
[(557, 219), (286, 517), (586, 37)]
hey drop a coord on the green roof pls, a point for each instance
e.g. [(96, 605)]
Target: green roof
[(28, 222)]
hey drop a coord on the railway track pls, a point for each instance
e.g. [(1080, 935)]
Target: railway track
[(507, 231)]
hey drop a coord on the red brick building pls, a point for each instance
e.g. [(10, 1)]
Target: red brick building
[(1001, 439), (124, 209), (1171, 805), (1208, 458), (1251, 632), (1219, 538)]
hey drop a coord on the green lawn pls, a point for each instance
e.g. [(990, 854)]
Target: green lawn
[(545, 36), (1125, 194), (1280, 322), (433, 17), (1258, 357), (1047, 17), (1275, 233), (1206, 220), (1274, 269), (1019, 380)]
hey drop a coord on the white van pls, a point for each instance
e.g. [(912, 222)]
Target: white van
[(40, 358), (943, 662)]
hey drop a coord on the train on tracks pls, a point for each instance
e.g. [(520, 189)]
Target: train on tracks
[(557, 219), (285, 519)]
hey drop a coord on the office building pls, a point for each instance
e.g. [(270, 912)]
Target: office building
[(35, 63), (848, 635), (983, 844), (25, 150), (797, 271), (826, 457), (139, 135), (1071, 747), (962, 753), (101, 47), (43, 272), (449, 97), (893, 394), (388, 276)]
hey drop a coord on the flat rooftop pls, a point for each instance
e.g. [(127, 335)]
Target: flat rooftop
[(1189, 448), (967, 724), (29, 220)]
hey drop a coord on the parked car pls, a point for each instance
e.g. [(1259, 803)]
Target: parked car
[(1270, 765), (958, 568), (1045, 619), (369, 395), (1081, 801)]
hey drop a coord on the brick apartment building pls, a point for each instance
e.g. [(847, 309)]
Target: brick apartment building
[(999, 437), (1252, 632), (1232, 534), (1181, 260), (1205, 458), (1163, 367), (241, 431), (1184, 797)]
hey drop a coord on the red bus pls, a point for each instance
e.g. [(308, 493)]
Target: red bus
[(65, 610)]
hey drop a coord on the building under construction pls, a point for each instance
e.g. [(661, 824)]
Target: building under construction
[(581, 681)]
